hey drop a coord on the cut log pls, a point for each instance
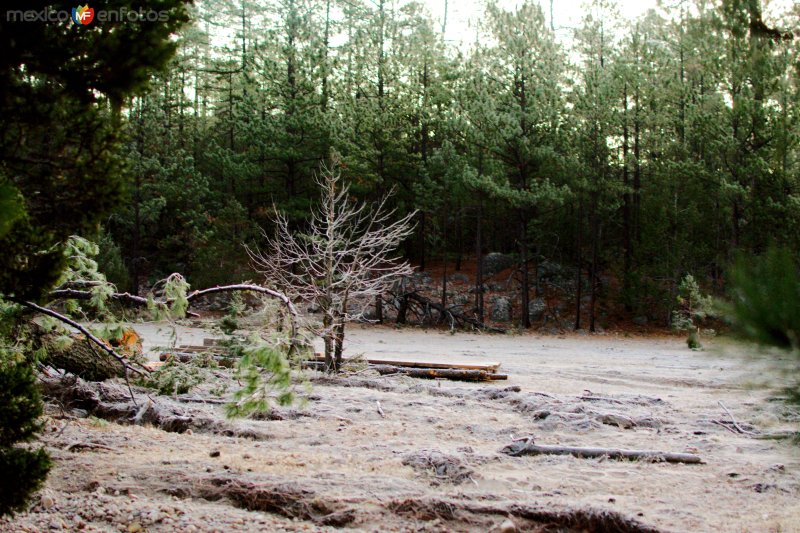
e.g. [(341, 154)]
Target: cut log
[(527, 447), (186, 357), (83, 360), (434, 373), (487, 366)]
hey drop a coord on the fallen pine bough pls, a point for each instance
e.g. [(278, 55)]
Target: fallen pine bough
[(526, 446)]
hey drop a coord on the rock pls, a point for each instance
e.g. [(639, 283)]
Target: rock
[(458, 277), (501, 309), (214, 453), (496, 262), (484, 288), (134, 527), (460, 299), (536, 309), (640, 320), (508, 526), (548, 270), (47, 501)]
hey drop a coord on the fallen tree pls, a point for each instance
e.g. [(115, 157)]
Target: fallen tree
[(526, 446)]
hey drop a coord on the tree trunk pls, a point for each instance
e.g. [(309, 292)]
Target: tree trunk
[(422, 241), (525, 318), (579, 267), (327, 339), (626, 207), (379, 309), (444, 259), (593, 274), (479, 266)]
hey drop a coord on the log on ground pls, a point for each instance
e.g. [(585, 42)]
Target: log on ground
[(528, 447), (434, 373)]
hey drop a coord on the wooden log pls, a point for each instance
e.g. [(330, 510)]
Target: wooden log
[(197, 349), (83, 360), (484, 367), (489, 366), (527, 447), (434, 373), (186, 357)]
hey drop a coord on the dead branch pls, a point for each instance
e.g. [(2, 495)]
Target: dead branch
[(527, 447), (77, 294), (448, 315), (244, 287), (736, 425), (125, 298)]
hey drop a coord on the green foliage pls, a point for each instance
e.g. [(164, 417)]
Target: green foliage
[(267, 378), (693, 305), (174, 377), (60, 143), (230, 323), (22, 471), (646, 148), (61, 94), (20, 402), (765, 299), (174, 290), (110, 262)]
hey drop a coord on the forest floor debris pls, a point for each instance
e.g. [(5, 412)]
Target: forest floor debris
[(431, 462)]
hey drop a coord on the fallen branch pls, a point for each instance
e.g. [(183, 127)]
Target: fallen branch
[(739, 428), (447, 314), (191, 297), (89, 336), (77, 446), (527, 447)]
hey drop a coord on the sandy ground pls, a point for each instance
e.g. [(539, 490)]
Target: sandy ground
[(340, 452)]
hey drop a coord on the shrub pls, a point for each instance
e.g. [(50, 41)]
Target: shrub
[(22, 471), (693, 308), (765, 299)]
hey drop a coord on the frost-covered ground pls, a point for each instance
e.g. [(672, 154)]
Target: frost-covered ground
[(340, 462)]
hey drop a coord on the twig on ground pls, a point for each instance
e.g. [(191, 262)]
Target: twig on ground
[(739, 428)]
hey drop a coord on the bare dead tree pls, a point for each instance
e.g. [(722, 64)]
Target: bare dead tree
[(345, 255)]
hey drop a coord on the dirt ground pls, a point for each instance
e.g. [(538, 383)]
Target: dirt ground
[(430, 461)]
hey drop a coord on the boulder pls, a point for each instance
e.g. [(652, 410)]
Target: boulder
[(458, 277), (536, 309), (501, 309), (496, 262)]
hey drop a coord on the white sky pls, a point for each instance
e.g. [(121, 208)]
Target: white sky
[(566, 13)]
